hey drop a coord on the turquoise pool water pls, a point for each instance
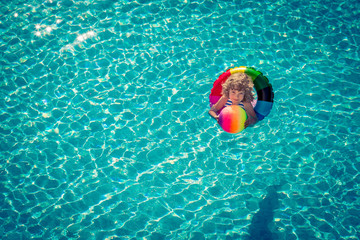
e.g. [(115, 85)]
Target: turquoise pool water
[(105, 132)]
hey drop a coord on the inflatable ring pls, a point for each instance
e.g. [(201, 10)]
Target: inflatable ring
[(264, 90)]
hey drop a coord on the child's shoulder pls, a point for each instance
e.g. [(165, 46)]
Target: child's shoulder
[(224, 97), (222, 101)]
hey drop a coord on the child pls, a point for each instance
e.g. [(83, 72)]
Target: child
[(237, 91)]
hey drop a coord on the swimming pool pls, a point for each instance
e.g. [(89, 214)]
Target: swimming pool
[(105, 132)]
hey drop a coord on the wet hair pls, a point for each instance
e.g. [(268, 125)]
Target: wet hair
[(240, 82)]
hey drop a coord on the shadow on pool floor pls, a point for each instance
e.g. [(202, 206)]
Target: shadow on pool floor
[(259, 227)]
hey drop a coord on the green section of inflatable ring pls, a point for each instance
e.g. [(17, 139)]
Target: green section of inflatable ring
[(260, 81)]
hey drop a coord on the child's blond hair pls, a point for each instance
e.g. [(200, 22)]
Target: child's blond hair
[(239, 81)]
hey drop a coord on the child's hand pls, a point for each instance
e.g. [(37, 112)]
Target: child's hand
[(249, 121), (214, 115)]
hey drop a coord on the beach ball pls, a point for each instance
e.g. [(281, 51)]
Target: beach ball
[(232, 119)]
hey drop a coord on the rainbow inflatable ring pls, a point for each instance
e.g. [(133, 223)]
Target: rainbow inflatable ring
[(264, 90)]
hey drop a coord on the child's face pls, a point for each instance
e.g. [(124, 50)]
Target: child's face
[(236, 96)]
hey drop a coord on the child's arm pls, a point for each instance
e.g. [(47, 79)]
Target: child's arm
[(251, 115), (217, 106)]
